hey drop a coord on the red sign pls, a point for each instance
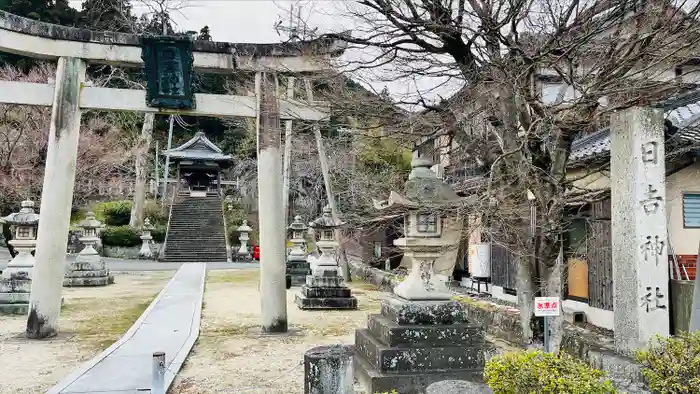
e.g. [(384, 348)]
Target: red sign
[(547, 306)]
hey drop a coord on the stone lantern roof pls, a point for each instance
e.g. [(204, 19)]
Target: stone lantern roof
[(90, 221), (244, 227), (423, 189), (326, 221), (25, 217), (297, 224)]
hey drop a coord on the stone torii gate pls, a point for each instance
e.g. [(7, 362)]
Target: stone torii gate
[(69, 95)]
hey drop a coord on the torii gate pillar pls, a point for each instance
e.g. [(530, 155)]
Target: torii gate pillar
[(56, 201)]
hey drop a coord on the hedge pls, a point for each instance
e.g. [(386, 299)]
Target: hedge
[(672, 365), (116, 213), (123, 236), (535, 372)]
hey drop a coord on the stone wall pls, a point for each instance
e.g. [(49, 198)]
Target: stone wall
[(128, 253), (503, 322)]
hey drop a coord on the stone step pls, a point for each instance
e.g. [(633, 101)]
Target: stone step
[(374, 381), (191, 253), (416, 359), (423, 312), (394, 335), (325, 292), (304, 302)]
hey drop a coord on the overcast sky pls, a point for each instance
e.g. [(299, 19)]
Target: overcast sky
[(254, 20)]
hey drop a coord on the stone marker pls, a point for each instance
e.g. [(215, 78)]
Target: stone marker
[(324, 288), (16, 281), (329, 370), (421, 336), (298, 268), (457, 387), (88, 269), (146, 252), (639, 236)]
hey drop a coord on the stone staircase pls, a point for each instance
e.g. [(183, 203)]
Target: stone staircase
[(196, 230)]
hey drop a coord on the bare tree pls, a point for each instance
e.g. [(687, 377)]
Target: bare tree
[(535, 76)]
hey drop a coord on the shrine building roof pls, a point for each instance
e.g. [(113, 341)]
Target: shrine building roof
[(198, 148)]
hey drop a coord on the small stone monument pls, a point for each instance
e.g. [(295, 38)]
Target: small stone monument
[(324, 288), (421, 336), (298, 268), (88, 269), (243, 231), (146, 252), (16, 281)]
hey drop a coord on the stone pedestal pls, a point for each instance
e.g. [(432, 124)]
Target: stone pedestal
[(298, 270), (15, 289), (325, 290), (329, 370), (413, 344), (639, 236), (89, 269)]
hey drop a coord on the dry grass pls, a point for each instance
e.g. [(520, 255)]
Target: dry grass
[(230, 357), (91, 319)]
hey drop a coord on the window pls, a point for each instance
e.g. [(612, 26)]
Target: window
[(691, 210), (427, 223)]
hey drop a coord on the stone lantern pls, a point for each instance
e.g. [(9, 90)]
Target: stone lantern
[(146, 238), (424, 199), (442, 341), (88, 269), (243, 231), (24, 225), (324, 288), (298, 268), (16, 282)]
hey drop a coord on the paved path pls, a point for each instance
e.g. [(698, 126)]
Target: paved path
[(141, 265), (170, 324)]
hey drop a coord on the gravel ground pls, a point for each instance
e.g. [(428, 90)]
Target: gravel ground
[(231, 358), (91, 320)]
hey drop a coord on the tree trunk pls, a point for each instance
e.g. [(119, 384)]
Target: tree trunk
[(138, 208), (527, 289), (554, 289)]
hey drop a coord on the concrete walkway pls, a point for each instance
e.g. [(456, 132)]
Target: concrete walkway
[(170, 324)]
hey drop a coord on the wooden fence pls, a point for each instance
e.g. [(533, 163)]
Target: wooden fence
[(503, 267), (600, 276)]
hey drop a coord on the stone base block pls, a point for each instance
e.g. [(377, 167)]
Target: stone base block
[(403, 311), (325, 292), (395, 335), (303, 272), (87, 274), (14, 298), (324, 281), (87, 281), (14, 309), (15, 286), (79, 265), (405, 383), (304, 302), (417, 359), (292, 264), (298, 280)]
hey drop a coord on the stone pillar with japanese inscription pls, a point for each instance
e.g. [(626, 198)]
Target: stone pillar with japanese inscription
[(639, 235)]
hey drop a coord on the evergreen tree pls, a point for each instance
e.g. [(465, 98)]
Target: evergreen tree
[(204, 34), (108, 15)]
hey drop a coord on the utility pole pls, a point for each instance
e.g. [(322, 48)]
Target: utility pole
[(166, 169)]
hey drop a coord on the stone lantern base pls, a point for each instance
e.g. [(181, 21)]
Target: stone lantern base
[(298, 270), (326, 291), (87, 273), (14, 294), (413, 344)]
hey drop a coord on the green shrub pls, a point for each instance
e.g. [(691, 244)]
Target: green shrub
[(672, 365), (158, 234), (123, 236), (116, 213), (154, 213), (534, 372)]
